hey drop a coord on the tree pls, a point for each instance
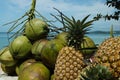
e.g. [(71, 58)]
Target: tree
[(115, 15)]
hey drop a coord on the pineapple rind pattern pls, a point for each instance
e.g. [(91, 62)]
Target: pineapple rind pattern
[(108, 54), (69, 64)]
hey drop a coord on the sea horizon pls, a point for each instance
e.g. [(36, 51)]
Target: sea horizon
[(97, 36)]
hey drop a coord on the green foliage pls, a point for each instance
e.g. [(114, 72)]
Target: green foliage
[(113, 3), (115, 15), (96, 72)]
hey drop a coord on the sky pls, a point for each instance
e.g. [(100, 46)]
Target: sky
[(11, 10)]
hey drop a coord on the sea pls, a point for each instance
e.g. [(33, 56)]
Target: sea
[(97, 36)]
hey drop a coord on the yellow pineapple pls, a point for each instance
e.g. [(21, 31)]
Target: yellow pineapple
[(70, 60), (108, 54), (69, 64)]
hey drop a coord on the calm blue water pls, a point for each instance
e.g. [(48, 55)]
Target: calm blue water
[(98, 37), (3, 40)]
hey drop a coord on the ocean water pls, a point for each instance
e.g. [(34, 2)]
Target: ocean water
[(97, 36), (3, 39)]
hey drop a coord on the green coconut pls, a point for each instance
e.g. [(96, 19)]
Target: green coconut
[(37, 48), (20, 47), (36, 29), (62, 36), (9, 70), (24, 65), (6, 58), (36, 71), (50, 52), (52, 77), (88, 46)]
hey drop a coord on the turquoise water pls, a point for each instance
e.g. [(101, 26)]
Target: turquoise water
[(97, 36), (3, 40)]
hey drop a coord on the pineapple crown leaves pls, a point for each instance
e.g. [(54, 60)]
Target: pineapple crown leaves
[(76, 29), (97, 72)]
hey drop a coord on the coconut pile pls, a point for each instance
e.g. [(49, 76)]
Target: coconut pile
[(26, 49), (32, 52), (32, 55)]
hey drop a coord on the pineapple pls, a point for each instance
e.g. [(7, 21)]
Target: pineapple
[(70, 60), (108, 54), (69, 63)]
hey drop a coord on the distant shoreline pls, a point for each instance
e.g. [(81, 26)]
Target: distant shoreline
[(90, 32), (97, 36), (104, 32)]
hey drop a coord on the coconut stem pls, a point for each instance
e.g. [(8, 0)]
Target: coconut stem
[(33, 5), (32, 9)]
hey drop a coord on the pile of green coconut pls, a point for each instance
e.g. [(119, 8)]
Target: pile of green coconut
[(32, 54)]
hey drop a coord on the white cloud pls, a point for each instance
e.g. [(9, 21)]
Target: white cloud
[(45, 7), (79, 11), (96, 7)]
